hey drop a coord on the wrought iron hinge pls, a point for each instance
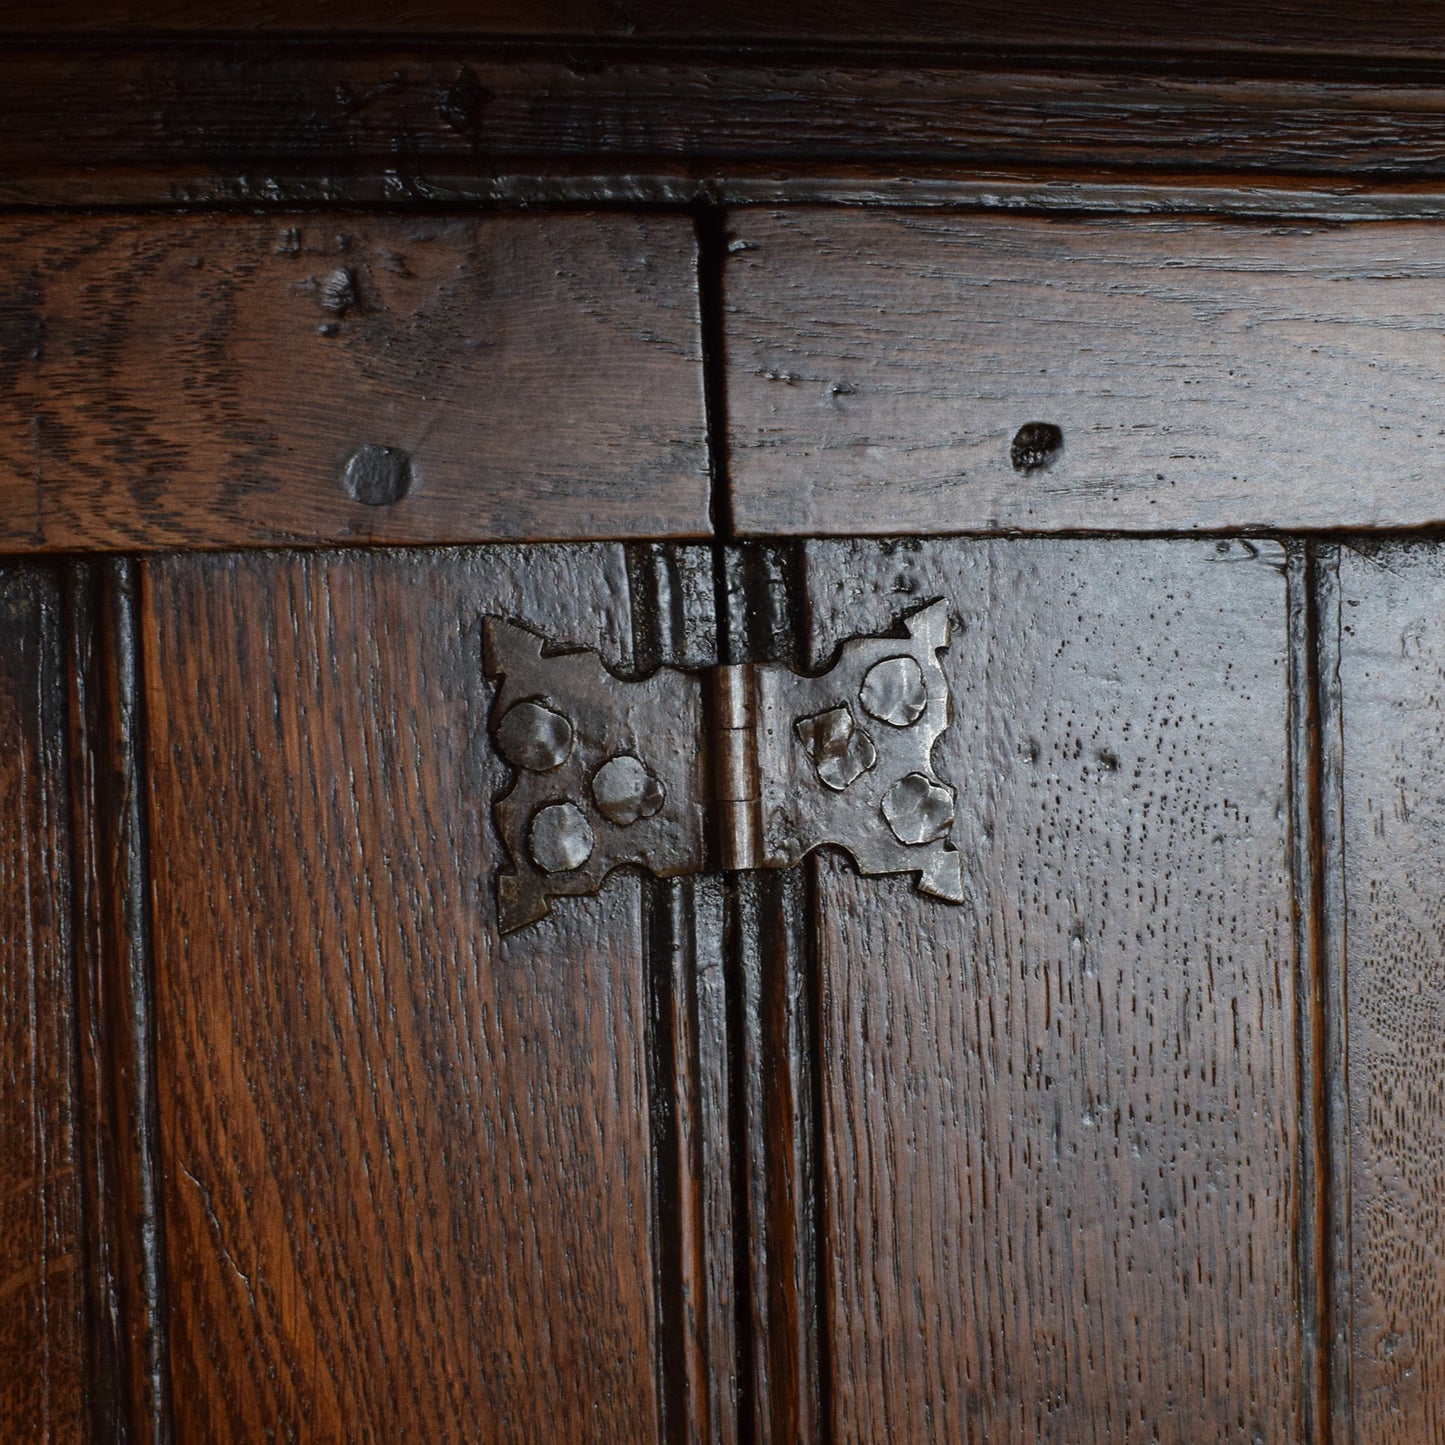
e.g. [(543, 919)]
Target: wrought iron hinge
[(739, 767)]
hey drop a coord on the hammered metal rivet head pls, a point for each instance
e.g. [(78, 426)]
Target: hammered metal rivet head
[(625, 790), (534, 737), (894, 692), (841, 752), (560, 838), (378, 476), (918, 809)]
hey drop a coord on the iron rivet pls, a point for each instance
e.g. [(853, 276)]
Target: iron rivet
[(378, 476), (626, 790), (560, 838)]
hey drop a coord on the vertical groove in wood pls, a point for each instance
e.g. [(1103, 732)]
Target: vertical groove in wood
[(711, 229), (126, 1272), (779, 1034), (1315, 1245), (1330, 1034), (673, 623), (43, 1374), (690, 1110), (774, 969)]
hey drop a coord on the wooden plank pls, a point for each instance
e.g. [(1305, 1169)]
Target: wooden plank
[(1061, 1120), (1391, 675), (408, 1167), (210, 381), (42, 1239), (883, 370), (293, 123), (1413, 28)]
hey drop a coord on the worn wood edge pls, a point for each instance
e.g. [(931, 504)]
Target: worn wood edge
[(293, 122), (126, 1293), (1330, 944), (679, 188)]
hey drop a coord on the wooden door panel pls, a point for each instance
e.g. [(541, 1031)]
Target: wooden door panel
[(407, 1167), (42, 1240), (216, 381), (1391, 680), (1060, 1122)]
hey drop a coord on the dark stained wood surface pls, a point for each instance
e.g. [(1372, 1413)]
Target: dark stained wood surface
[(407, 1167), (1060, 1122), (206, 381), (1413, 28), (127, 1395), (1391, 678), (296, 123), (1201, 374), (42, 1237)]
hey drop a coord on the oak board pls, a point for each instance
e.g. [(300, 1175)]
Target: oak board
[(408, 1167), (1391, 676), (214, 381), (43, 1248), (883, 370), (1060, 1121)]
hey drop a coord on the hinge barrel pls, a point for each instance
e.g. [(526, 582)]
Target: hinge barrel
[(736, 785)]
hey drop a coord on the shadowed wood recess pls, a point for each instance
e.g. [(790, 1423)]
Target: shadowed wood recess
[(1391, 679), (1060, 1122), (1414, 28), (408, 1167), (209, 381), (922, 373), (290, 123), (42, 1240)]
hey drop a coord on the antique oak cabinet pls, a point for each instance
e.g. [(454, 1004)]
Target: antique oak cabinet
[(722, 725)]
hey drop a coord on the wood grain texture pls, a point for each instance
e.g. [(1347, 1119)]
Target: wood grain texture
[(1391, 675), (296, 123), (1060, 1121), (408, 1168), (1202, 374), (1413, 28), (42, 1239), (205, 381)]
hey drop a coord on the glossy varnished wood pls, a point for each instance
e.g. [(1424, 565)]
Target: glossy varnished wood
[(42, 1238), (125, 1252), (408, 1168), (1060, 1122), (1391, 648), (1201, 374), (207, 381)]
